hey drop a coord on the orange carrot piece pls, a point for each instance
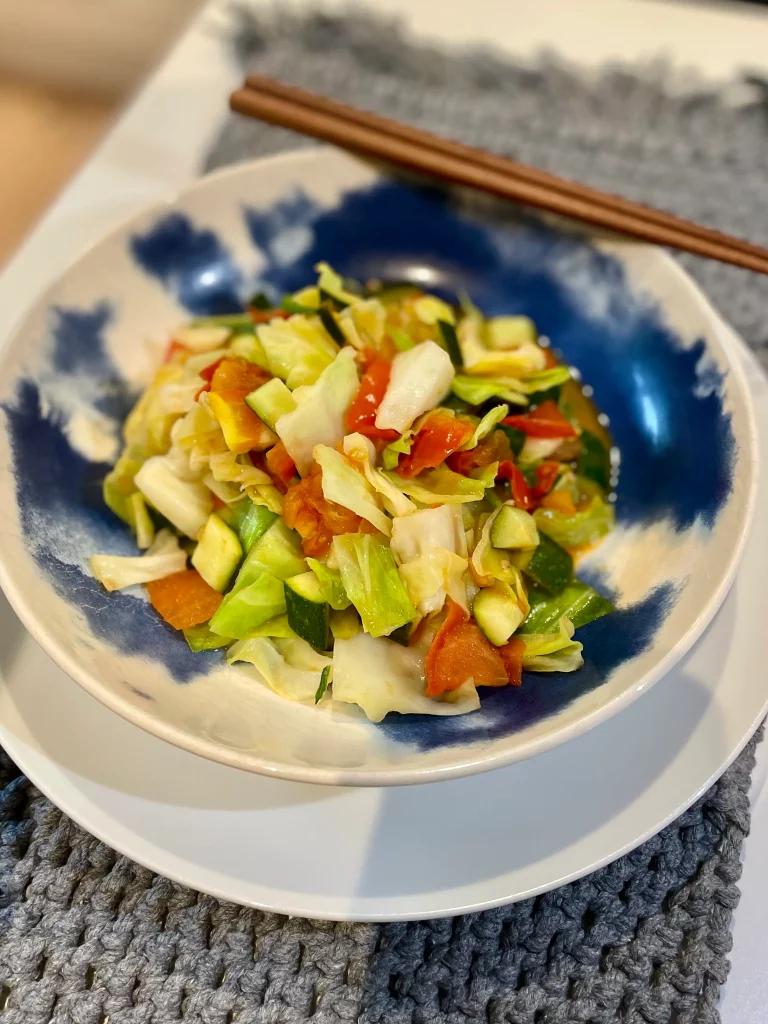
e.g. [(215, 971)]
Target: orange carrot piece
[(184, 599)]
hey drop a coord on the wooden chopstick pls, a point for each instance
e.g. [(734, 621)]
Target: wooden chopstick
[(415, 149)]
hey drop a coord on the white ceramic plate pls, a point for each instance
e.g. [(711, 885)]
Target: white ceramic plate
[(422, 851), (636, 326)]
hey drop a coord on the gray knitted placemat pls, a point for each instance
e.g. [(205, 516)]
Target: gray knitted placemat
[(86, 936)]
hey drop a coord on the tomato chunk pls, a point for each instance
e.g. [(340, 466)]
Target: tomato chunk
[(494, 448), (512, 655), (280, 463), (545, 420), (521, 492), (232, 374), (439, 437), (460, 650), (361, 415), (546, 474), (184, 599), (314, 518)]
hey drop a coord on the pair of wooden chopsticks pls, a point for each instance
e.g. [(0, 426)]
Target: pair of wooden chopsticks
[(384, 139)]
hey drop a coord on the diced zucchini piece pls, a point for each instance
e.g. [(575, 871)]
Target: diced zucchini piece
[(217, 554), (328, 321), (271, 401), (402, 634), (345, 624), (251, 606), (594, 460), (200, 638), (578, 602), (514, 528), (324, 677), (248, 346), (279, 551), (450, 341), (307, 610), (497, 612), (550, 565), (254, 523)]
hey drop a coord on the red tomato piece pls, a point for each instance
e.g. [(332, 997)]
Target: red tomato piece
[(494, 448), (233, 374), (439, 437), (512, 655), (521, 492), (280, 463), (361, 415), (545, 420), (316, 519), (184, 599), (460, 650), (546, 474)]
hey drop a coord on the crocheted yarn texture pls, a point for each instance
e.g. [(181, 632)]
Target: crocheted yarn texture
[(86, 936)]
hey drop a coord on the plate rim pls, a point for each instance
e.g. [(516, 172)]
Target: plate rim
[(470, 764)]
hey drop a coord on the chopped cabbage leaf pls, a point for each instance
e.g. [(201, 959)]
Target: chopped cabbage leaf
[(184, 503), (346, 485), (285, 666), (488, 423), (332, 283), (390, 456), (583, 527), (297, 349), (434, 576), (361, 450), (381, 676), (478, 359), (505, 332), (552, 652), (372, 582), (429, 309), (362, 324), (426, 530), (476, 390), (430, 547), (537, 448), (420, 378), (319, 417), (442, 486), (163, 558), (331, 586), (543, 380)]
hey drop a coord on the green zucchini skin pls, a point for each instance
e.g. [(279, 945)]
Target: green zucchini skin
[(550, 566), (308, 614)]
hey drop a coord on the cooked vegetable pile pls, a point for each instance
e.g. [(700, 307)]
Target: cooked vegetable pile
[(369, 495)]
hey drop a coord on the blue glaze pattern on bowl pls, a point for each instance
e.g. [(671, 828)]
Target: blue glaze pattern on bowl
[(664, 399)]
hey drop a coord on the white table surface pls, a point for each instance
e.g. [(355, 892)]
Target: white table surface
[(158, 143)]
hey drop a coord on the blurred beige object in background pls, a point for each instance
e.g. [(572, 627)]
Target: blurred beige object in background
[(65, 67)]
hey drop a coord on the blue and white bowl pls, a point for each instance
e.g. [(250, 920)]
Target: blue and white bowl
[(662, 364)]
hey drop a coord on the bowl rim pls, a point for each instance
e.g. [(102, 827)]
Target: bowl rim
[(728, 340)]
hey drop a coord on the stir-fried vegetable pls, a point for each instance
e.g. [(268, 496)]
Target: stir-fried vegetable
[(368, 496)]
